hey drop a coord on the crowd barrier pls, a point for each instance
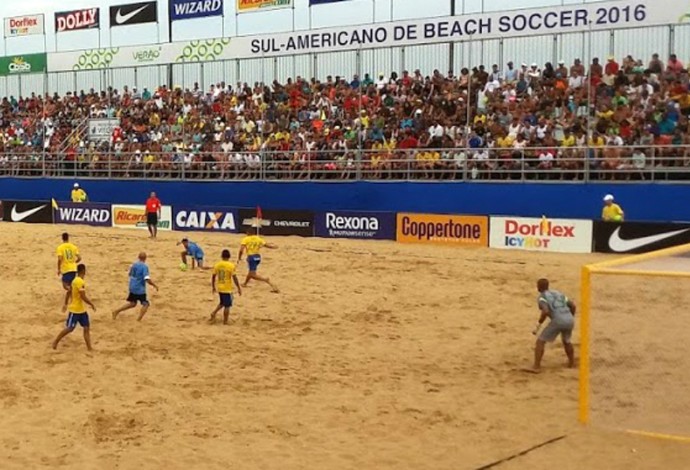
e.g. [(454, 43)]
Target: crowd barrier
[(500, 232)]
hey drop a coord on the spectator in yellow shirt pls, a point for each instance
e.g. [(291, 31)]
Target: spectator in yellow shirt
[(78, 194), (612, 212)]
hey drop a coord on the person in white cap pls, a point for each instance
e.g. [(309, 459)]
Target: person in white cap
[(78, 194), (611, 212)]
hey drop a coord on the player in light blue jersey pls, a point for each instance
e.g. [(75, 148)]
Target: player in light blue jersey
[(194, 251), (139, 277)]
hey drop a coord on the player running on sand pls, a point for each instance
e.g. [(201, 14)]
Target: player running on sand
[(68, 257), (224, 275), (138, 279), (251, 245), (194, 251), (561, 311), (76, 298)]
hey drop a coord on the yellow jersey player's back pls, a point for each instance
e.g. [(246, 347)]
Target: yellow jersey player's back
[(68, 259)]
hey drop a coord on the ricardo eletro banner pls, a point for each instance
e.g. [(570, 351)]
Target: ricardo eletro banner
[(456, 230), (134, 216), (249, 6)]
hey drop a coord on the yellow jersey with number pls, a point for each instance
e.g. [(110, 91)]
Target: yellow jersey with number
[(68, 253), (224, 272), (253, 244), (77, 303)]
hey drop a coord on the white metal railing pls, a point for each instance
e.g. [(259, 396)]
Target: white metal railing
[(653, 163)]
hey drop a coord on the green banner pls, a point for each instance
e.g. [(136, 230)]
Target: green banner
[(23, 63)]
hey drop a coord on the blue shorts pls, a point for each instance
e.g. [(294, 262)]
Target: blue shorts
[(67, 278), (225, 299), (141, 298), (74, 319), (253, 261)]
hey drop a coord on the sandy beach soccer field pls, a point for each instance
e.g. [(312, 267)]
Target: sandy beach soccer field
[(375, 355)]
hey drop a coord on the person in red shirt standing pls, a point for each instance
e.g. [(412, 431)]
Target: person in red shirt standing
[(153, 213)]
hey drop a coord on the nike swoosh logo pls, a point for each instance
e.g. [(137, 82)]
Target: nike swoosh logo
[(19, 216), (616, 243), (120, 18)]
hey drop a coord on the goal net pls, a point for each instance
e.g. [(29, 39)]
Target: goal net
[(634, 355)]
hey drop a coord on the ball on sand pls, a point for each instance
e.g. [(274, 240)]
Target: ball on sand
[(183, 267)]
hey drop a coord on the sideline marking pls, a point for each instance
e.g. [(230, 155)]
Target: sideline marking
[(520, 454)]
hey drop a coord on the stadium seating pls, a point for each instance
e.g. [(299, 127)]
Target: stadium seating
[(609, 121)]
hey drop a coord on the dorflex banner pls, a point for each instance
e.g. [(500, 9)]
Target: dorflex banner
[(75, 20), (277, 222), (134, 216), (27, 25), (556, 235), (188, 9), (206, 219), (638, 237), (32, 212), (133, 13), (248, 6), (21, 64), (455, 230), (365, 225), (96, 215)]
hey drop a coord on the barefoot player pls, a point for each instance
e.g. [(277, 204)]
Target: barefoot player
[(251, 245), (561, 311), (194, 251), (76, 299), (68, 258), (138, 279), (222, 281)]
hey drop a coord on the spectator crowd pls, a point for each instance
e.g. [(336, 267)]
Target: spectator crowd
[(615, 120)]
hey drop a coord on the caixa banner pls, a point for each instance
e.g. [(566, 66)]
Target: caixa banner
[(96, 215), (364, 225), (205, 219)]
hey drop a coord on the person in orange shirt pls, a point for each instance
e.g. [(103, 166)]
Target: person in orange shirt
[(153, 214)]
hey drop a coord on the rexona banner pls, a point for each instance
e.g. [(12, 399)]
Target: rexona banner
[(557, 235), (125, 216), (277, 222), (97, 215), (21, 64), (211, 219), (24, 25), (457, 230), (516, 23), (32, 212), (188, 9), (636, 237), (75, 20), (245, 6), (367, 225)]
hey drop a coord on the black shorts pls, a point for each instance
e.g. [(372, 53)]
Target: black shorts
[(141, 298), (152, 219)]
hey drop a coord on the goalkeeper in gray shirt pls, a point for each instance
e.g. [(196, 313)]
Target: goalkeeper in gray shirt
[(561, 311)]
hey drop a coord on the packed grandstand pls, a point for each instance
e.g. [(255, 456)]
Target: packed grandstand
[(610, 120)]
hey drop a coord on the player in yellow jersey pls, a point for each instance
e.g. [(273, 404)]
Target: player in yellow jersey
[(251, 245), (68, 258), (224, 275), (611, 212), (76, 299)]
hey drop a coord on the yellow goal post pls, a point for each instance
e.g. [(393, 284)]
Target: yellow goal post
[(633, 375)]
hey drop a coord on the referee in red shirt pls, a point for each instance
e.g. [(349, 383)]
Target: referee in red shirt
[(153, 213)]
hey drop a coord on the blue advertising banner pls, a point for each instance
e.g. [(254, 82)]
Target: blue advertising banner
[(187, 9), (365, 225), (205, 219), (321, 2), (97, 215)]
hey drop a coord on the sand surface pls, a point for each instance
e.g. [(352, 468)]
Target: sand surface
[(374, 356)]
